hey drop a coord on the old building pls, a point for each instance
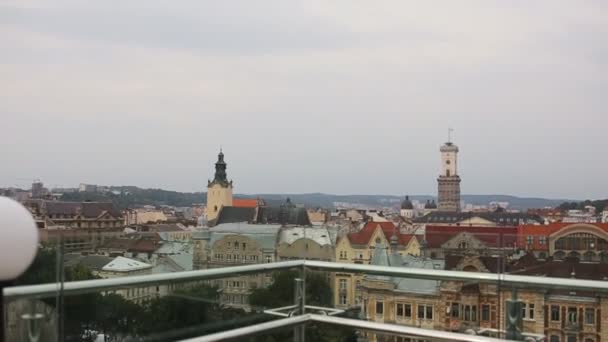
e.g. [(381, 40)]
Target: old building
[(448, 182), (443, 240), (144, 216), (87, 215), (310, 243), (407, 208), (232, 244), (285, 214), (585, 241), (479, 308), (219, 190), (490, 218), (412, 302), (357, 248)]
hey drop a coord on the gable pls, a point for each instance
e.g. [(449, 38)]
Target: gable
[(476, 220), (469, 239)]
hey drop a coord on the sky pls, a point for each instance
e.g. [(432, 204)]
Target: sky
[(344, 97)]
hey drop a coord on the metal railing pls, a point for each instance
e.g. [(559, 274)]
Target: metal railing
[(299, 312)]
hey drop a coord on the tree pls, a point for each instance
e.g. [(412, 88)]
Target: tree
[(318, 293)]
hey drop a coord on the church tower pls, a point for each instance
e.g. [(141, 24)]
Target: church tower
[(449, 181), (219, 191)]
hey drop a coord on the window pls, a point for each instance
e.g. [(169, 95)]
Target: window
[(571, 338), (408, 310), (467, 312), (268, 259), (554, 338), (474, 313), (530, 239), (555, 313), (542, 240), (572, 315), (425, 312), (455, 310), (485, 312), (589, 316), (462, 245), (379, 308), (527, 311), (343, 284), (244, 245), (342, 299), (400, 310)]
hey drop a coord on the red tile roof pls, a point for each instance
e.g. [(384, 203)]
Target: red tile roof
[(244, 203), (436, 236), (389, 229), (536, 231)]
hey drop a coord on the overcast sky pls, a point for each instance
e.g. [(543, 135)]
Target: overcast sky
[(347, 97)]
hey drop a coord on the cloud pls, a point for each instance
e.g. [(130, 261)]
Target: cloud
[(322, 90)]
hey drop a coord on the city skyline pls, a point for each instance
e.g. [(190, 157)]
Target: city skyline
[(334, 97)]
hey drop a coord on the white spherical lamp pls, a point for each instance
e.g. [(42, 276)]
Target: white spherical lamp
[(19, 241)]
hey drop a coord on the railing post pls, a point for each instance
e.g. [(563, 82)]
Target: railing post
[(513, 317), (299, 330)]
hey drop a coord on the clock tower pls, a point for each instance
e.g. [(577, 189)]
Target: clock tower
[(219, 190), (449, 181)]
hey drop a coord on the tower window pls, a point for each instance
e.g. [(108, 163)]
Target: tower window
[(215, 208)]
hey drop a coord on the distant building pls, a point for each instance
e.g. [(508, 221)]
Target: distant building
[(605, 216), (219, 190), (496, 218), (285, 214), (407, 208), (357, 248), (87, 187), (38, 190), (317, 217), (89, 215), (309, 243), (449, 181), (405, 301), (584, 241), (233, 244), (144, 216), (440, 241)]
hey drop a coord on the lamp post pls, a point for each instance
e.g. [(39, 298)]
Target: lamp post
[(17, 246)]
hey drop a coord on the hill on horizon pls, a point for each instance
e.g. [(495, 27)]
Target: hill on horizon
[(127, 196)]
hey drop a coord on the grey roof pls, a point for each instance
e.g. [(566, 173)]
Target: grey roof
[(407, 204), (319, 235), (384, 257), (264, 234), (501, 218), (93, 262), (86, 209), (235, 214), (285, 214), (122, 264), (174, 247)]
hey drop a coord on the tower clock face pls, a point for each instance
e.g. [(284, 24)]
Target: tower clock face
[(447, 162)]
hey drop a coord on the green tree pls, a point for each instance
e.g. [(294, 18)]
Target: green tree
[(318, 293)]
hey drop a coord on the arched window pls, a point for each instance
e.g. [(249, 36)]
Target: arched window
[(463, 245)]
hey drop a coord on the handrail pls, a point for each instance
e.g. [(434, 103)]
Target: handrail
[(365, 325), (87, 286), (516, 281)]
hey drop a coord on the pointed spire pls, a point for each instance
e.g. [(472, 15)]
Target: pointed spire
[(220, 171)]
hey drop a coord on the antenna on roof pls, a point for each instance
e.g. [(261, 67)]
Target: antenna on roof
[(450, 130)]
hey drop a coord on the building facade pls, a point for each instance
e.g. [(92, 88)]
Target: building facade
[(449, 181), (232, 244), (219, 190), (357, 248)]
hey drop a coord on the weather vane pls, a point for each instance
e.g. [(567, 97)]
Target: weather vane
[(450, 130)]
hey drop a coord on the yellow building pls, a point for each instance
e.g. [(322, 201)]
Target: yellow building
[(219, 191), (357, 248)]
